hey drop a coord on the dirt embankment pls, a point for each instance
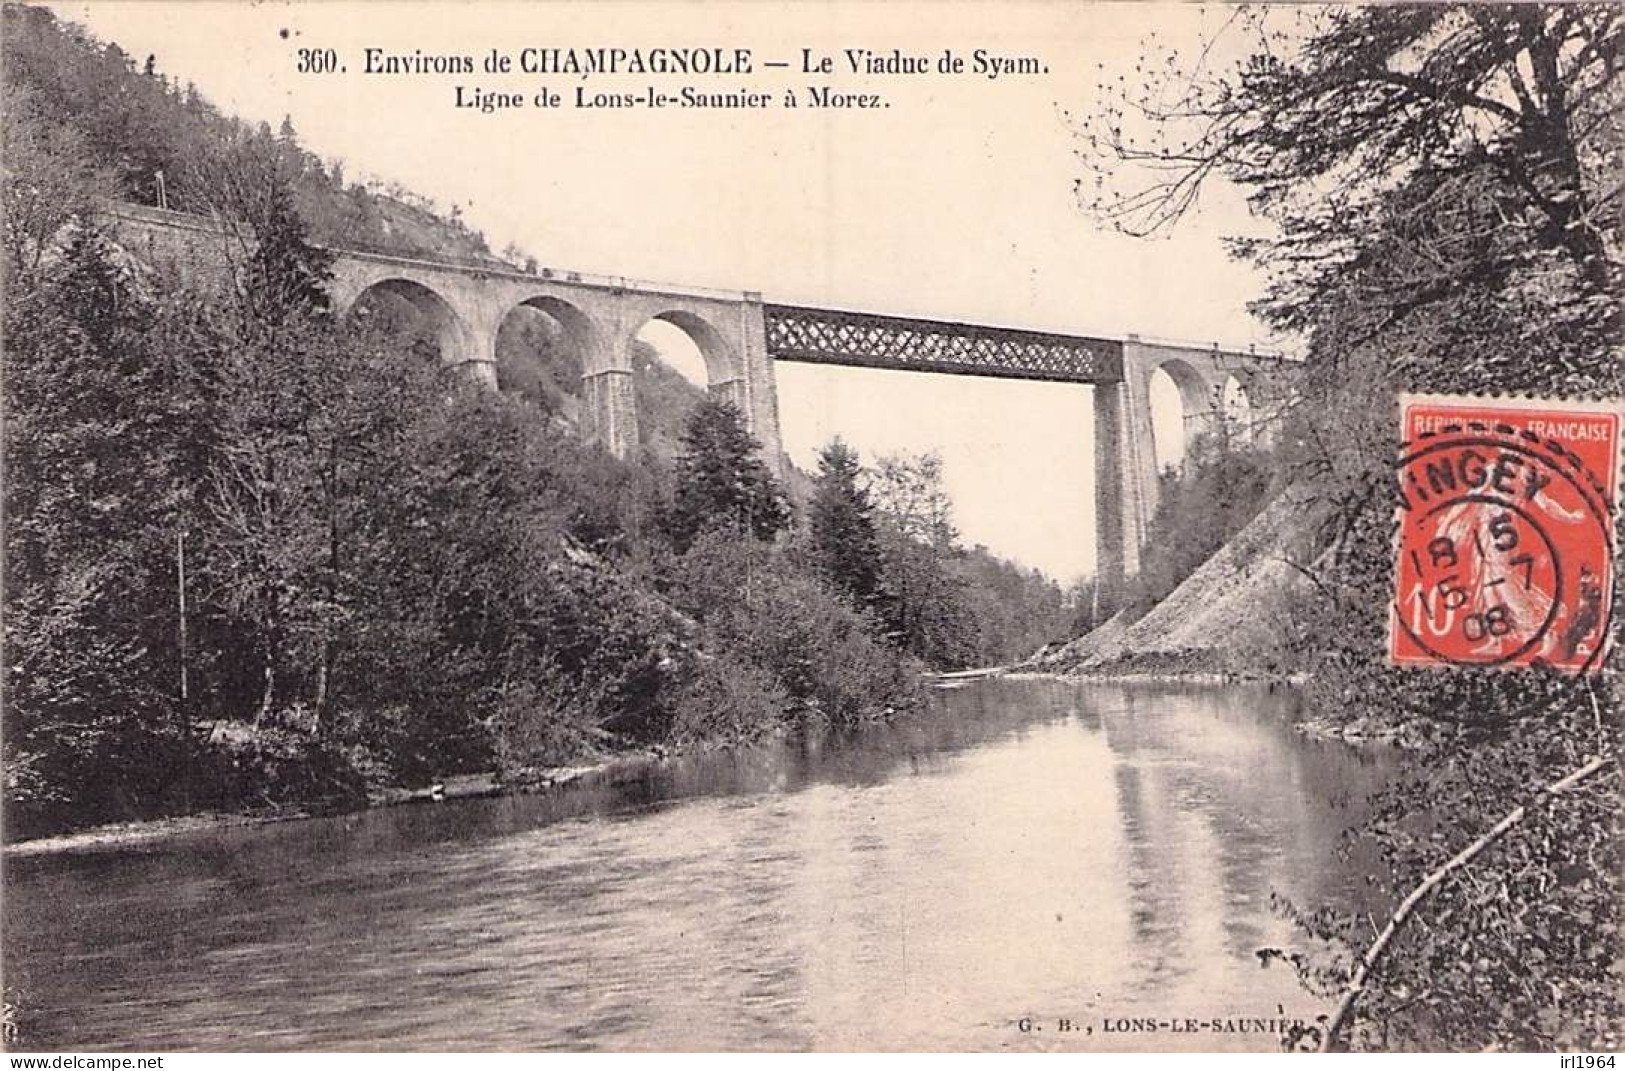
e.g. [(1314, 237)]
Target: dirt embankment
[(1235, 615)]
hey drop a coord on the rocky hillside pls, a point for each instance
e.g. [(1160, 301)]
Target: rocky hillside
[(1233, 614)]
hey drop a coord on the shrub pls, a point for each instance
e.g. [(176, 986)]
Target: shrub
[(758, 608), (726, 701)]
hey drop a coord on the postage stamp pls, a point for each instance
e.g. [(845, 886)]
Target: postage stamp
[(1505, 546)]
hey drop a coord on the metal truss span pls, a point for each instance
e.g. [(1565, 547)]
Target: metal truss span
[(866, 340)]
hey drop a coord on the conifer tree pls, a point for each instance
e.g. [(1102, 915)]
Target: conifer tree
[(721, 480), (89, 497), (843, 527)]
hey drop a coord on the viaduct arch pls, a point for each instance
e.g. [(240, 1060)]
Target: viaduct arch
[(600, 316), (740, 337), (1202, 376)]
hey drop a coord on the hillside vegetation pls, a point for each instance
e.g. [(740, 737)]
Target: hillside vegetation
[(262, 557), (1442, 185), (139, 133)]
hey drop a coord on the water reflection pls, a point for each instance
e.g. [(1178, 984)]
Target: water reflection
[(1025, 848)]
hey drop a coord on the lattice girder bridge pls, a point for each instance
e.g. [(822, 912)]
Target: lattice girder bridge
[(869, 340)]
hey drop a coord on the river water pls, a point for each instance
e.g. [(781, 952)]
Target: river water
[(1025, 850)]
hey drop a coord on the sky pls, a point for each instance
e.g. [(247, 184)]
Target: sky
[(955, 202)]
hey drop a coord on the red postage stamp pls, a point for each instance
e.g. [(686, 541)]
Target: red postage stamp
[(1505, 550)]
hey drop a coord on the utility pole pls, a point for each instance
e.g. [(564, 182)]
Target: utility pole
[(180, 584), (185, 707)]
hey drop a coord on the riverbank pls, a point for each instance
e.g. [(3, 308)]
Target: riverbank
[(1169, 676), (1363, 730), (1207, 665), (613, 768), (606, 769), (122, 835)]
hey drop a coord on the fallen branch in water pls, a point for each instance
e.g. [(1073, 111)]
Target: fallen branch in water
[(1374, 954)]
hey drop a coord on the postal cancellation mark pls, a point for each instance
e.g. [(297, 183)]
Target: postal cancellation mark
[(1505, 549)]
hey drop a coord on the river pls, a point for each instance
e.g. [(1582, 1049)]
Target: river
[(1032, 850)]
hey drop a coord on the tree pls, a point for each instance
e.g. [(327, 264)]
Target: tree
[(928, 613), (1527, 95), (909, 493), (50, 180), (93, 484), (281, 275), (721, 481), (842, 526), (1200, 507), (762, 612), (273, 494)]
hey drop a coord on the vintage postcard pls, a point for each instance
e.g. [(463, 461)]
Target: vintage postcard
[(816, 526)]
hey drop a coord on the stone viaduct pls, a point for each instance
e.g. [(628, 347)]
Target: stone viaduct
[(741, 336)]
